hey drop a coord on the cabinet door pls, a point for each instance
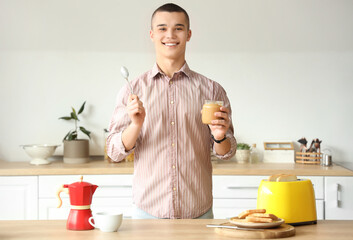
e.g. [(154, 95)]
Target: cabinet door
[(19, 198), (320, 209), (338, 198)]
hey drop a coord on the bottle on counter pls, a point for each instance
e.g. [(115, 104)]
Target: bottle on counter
[(254, 154)]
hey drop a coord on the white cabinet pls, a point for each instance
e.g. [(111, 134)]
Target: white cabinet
[(19, 198), (114, 193), (34, 197), (339, 198), (233, 194)]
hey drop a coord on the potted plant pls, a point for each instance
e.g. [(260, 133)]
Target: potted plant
[(76, 150), (243, 153)]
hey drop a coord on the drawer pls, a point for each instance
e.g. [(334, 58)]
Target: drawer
[(225, 186), (108, 185)]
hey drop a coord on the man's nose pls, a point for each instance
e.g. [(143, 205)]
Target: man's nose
[(170, 33)]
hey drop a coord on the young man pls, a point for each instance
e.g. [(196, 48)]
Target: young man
[(162, 123)]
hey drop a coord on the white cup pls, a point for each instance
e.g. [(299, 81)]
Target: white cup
[(106, 222)]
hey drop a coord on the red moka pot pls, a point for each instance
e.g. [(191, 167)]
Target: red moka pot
[(81, 194)]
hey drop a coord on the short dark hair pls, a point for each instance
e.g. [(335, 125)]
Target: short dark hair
[(171, 7)]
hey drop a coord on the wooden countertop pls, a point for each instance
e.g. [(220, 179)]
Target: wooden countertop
[(219, 168), (157, 229)]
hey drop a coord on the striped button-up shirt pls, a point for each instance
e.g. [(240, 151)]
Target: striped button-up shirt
[(172, 155)]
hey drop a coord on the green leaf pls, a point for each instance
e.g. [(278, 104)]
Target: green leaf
[(243, 146), (67, 135), (82, 108), (72, 136), (73, 115), (85, 132), (66, 118)]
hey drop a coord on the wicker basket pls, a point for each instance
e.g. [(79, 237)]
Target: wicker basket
[(308, 157)]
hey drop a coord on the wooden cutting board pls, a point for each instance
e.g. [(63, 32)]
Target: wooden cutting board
[(282, 231)]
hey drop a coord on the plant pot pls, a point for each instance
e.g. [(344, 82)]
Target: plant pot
[(242, 156), (76, 151)]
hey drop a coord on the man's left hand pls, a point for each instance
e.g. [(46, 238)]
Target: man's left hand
[(220, 126)]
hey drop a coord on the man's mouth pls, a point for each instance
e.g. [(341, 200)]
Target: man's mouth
[(170, 44)]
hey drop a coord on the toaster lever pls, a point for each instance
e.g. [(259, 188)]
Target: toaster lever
[(240, 187)]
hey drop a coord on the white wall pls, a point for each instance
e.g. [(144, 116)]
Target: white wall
[(287, 66)]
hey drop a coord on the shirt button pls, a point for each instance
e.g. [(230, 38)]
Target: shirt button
[(170, 82), (172, 144), (172, 123), (174, 188), (173, 166), (172, 102)]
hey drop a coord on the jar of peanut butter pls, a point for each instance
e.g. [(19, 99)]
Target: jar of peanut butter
[(208, 110)]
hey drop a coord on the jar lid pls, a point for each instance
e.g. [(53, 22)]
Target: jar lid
[(220, 103)]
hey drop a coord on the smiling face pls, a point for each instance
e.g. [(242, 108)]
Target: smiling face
[(169, 33)]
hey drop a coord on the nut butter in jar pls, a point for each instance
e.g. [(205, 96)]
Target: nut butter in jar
[(208, 110)]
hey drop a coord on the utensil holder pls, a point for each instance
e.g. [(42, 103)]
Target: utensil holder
[(308, 157)]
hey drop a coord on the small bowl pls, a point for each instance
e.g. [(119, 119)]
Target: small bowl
[(39, 152)]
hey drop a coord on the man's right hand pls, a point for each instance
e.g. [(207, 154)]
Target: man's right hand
[(136, 110)]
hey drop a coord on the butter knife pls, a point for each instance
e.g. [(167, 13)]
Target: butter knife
[(233, 227)]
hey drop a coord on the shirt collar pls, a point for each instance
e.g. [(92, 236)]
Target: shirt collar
[(184, 69)]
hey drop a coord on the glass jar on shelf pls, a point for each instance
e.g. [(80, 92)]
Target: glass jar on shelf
[(254, 154)]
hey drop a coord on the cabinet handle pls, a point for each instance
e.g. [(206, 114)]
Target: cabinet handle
[(241, 187), (115, 186), (337, 188)]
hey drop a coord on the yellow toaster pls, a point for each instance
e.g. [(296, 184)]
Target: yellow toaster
[(292, 201)]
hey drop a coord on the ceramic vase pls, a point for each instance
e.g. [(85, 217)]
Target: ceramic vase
[(76, 151), (242, 156)]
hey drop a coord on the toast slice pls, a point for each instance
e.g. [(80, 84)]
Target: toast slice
[(264, 215), (273, 178), (245, 213), (258, 219), (287, 178)]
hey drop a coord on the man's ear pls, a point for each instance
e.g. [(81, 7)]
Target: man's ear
[(189, 35), (151, 35)]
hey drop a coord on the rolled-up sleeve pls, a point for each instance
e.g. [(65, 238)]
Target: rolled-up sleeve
[(220, 94), (119, 122)]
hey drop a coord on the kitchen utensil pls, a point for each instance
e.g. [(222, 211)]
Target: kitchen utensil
[(232, 227), (125, 74), (81, 194), (308, 157), (326, 157), (106, 222), (39, 152), (293, 201), (282, 231), (326, 160), (244, 224)]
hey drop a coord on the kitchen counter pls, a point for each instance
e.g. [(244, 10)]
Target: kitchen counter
[(157, 229), (219, 168)]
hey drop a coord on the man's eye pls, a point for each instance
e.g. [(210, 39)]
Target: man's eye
[(162, 29), (179, 29)]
